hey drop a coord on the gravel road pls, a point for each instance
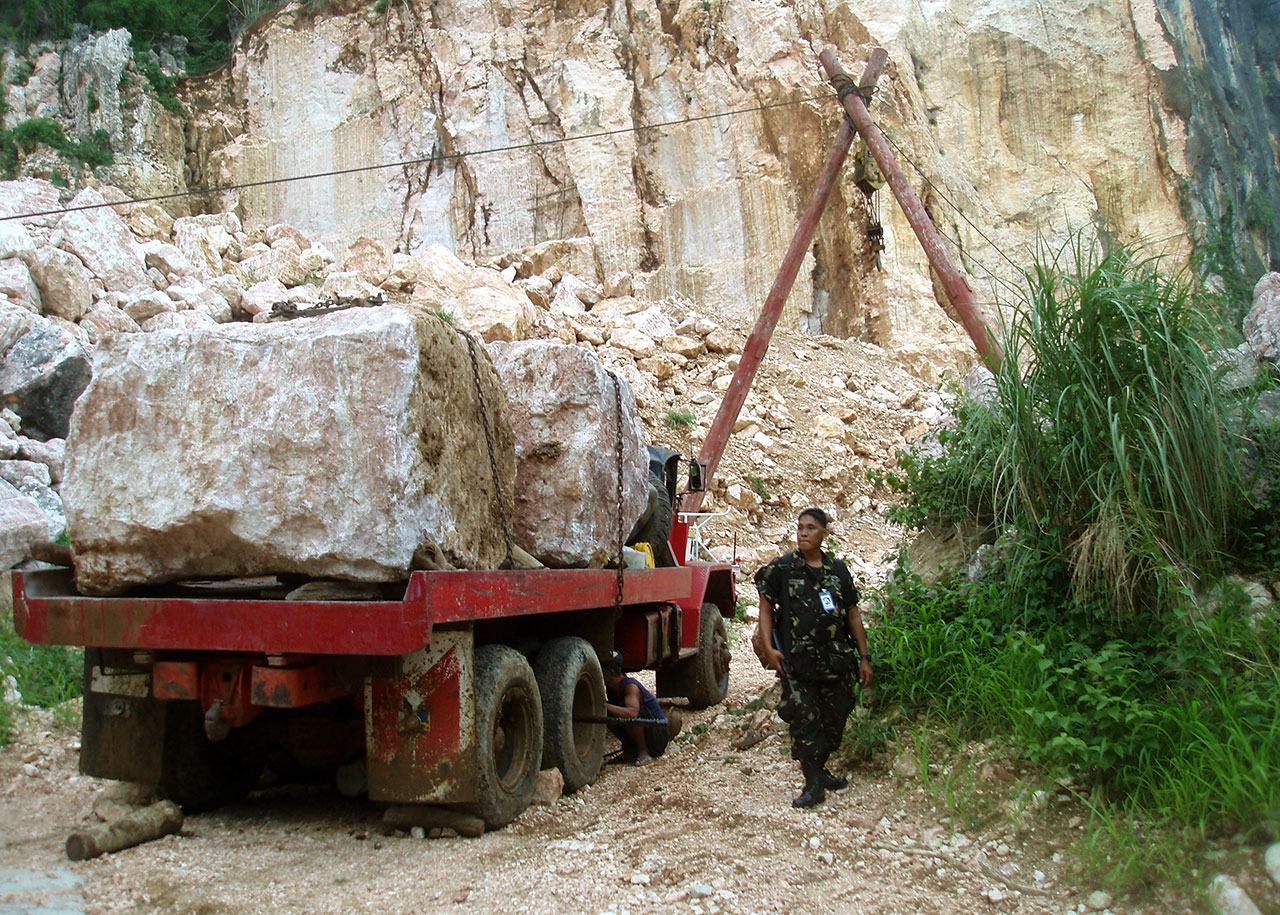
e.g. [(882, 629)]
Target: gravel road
[(708, 828)]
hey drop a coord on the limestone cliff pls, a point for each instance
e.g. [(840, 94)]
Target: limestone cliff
[(1150, 120)]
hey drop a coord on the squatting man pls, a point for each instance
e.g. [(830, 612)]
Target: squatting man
[(811, 634), (627, 699)]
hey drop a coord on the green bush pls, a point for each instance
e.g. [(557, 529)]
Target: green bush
[(33, 131), (93, 151), (1108, 462), (206, 26), (1107, 442)]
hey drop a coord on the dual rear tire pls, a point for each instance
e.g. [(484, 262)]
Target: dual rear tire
[(508, 734), (572, 688), (530, 718)]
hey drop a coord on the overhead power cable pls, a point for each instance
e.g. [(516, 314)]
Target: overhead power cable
[(432, 159)]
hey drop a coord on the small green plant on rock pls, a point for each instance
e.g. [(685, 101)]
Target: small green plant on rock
[(757, 484), (92, 151), (161, 82), (679, 419)]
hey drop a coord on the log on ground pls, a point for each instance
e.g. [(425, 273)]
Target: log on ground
[(141, 825)]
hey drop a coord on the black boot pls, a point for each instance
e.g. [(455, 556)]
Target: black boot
[(834, 782), (829, 781), (813, 792)]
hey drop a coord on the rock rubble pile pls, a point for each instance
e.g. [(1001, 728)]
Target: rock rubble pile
[(78, 282)]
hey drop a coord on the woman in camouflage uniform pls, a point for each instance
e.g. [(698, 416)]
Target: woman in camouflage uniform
[(812, 635)]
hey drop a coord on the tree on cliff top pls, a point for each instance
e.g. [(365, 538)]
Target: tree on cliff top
[(148, 21)]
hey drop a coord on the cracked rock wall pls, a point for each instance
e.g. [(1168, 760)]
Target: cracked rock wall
[(1012, 122)]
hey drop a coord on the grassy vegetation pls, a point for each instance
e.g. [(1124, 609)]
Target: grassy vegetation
[(161, 82), (207, 27), (1216, 253), (1103, 641), (91, 151), (44, 675), (679, 419)]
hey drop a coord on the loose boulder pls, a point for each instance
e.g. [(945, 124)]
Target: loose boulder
[(1262, 324), (564, 416), (43, 369), (22, 524), (334, 447), (103, 243), (63, 281)]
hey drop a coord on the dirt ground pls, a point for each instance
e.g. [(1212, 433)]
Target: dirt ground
[(707, 828)]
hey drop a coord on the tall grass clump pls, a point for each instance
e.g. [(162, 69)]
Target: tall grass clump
[(1113, 434), (43, 675), (1100, 638)]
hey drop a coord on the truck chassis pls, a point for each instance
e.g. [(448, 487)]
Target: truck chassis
[(457, 688)]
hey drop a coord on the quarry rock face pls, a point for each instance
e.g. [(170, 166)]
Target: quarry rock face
[(982, 100), (564, 419), (334, 446)]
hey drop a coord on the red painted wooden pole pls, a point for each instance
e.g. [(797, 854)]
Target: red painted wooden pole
[(958, 292), (758, 342)]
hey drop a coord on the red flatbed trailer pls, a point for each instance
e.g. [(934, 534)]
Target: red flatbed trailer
[(455, 688)]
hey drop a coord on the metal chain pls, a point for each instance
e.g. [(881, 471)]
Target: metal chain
[(617, 404), (488, 437)]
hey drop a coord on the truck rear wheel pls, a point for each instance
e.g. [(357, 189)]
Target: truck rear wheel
[(703, 678), (508, 734), (572, 688), (199, 774)]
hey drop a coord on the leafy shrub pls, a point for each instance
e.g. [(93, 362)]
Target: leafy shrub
[(1108, 460), (93, 151), (206, 26), (678, 419), (20, 72), (33, 131)]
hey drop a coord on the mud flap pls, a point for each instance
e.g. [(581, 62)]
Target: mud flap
[(420, 725), (122, 727)]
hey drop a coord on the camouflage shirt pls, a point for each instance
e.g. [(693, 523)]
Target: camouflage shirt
[(815, 640)]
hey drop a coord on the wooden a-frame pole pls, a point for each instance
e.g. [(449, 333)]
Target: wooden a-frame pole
[(753, 353), (953, 282)]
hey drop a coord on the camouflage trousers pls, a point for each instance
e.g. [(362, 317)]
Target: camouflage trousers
[(817, 711)]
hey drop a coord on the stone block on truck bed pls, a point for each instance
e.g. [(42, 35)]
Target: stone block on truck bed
[(333, 447), (565, 422)]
